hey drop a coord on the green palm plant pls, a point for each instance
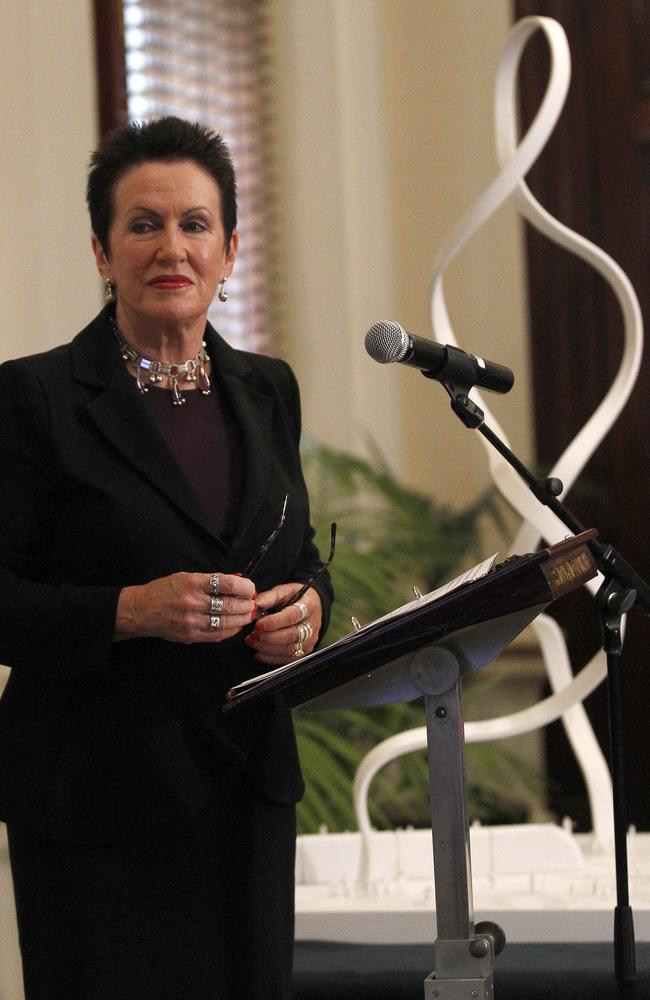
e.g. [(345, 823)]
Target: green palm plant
[(389, 539)]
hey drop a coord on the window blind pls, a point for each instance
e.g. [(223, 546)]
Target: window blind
[(205, 60)]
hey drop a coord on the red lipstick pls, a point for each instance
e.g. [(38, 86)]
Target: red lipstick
[(170, 281)]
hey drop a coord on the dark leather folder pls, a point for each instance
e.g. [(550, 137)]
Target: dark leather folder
[(475, 619)]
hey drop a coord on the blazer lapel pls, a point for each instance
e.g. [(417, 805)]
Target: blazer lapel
[(120, 416), (118, 413), (253, 411)]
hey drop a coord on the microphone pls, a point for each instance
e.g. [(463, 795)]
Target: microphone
[(387, 342)]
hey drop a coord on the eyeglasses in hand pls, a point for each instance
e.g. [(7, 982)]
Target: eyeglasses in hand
[(248, 569), (312, 579)]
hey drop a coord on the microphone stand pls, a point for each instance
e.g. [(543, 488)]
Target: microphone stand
[(622, 590)]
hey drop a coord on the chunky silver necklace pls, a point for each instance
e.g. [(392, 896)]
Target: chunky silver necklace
[(152, 372)]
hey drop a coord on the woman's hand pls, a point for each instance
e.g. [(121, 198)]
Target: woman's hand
[(278, 638), (178, 608)]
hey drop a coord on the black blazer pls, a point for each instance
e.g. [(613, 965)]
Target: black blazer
[(99, 738)]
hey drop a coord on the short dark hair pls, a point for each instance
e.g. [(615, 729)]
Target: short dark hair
[(165, 139)]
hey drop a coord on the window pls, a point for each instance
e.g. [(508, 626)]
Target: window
[(205, 60)]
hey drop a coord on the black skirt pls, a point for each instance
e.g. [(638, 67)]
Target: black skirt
[(201, 913)]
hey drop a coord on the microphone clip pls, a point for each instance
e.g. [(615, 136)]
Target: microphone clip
[(468, 411), (458, 376)]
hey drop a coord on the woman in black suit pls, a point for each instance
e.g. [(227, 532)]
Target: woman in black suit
[(144, 465)]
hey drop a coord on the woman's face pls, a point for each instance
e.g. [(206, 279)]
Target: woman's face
[(167, 251)]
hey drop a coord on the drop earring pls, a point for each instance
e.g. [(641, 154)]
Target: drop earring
[(110, 291), (222, 293)]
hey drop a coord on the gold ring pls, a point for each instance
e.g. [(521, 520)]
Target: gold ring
[(298, 651)]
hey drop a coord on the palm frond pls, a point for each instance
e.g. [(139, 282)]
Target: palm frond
[(389, 539)]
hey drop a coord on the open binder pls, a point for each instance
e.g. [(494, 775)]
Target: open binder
[(425, 648), (481, 615)]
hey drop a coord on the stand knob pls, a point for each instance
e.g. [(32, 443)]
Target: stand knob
[(554, 486), (486, 928)]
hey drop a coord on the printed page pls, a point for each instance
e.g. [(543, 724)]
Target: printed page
[(475, 573)]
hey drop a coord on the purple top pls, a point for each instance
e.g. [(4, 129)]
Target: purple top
[(205, 440)]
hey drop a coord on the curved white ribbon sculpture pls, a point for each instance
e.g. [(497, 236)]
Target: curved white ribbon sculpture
[(538, 522)]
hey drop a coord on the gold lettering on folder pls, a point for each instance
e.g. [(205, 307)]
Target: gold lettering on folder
[(565, 573)]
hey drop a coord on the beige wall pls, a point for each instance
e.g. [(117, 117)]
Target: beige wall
[(384, 110), (442, 157), (49, 287)]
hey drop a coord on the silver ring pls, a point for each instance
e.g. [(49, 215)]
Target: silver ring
[(308, 629), (216, 605), (214, 584), (215, 621), (302, 632), (304, 610), (298, 651)]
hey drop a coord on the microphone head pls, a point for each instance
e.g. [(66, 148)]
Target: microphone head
[(386, 342)]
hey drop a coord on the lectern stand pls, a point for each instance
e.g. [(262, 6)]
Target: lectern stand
[(464, 958), (427, 650)]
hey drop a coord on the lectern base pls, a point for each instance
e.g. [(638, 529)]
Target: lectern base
[(458, 989), (464, 970)]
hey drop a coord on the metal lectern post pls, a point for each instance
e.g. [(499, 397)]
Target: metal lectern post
[(464, 955)]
